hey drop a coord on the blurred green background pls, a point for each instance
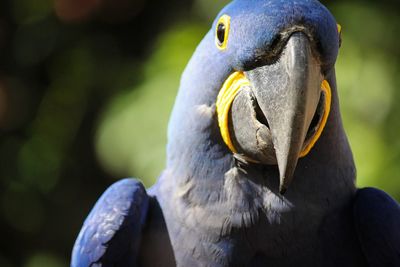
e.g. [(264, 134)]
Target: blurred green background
[(86, 88)]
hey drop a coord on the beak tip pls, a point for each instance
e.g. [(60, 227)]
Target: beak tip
[(286, 167), (282, 187), (284, 183), (282, 190)]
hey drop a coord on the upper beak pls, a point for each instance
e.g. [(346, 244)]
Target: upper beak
[(288, 93)]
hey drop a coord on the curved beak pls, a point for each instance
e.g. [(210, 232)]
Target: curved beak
[(288, 93)]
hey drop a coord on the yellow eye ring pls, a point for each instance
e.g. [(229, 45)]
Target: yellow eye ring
[(339, 29), (222, 32)]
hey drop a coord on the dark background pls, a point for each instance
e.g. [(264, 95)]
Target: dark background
[(86, 87)]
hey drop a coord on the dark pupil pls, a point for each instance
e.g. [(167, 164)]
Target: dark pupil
[(221, 33)]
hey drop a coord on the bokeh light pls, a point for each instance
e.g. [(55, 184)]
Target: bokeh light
[(75, 10)]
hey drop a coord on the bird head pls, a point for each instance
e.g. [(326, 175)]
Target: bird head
[(267, 66)]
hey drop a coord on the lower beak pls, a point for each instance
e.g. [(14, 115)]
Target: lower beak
[(288, 93)]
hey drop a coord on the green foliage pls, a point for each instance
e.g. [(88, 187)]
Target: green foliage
[(27, 11), (368, 88), (131, 138), (44, 260)]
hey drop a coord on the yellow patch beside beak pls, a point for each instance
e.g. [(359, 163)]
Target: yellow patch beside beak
[(326, 89), (225, 98)]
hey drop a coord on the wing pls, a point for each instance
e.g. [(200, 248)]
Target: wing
[(377, 221), (110, 235)]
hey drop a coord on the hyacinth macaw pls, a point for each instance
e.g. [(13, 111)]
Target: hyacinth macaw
[(259, 170)]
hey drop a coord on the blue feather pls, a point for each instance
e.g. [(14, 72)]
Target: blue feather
[(110, 236), (377, 220)]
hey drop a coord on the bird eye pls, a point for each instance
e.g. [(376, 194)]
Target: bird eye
[(221, 34), (222, 31)]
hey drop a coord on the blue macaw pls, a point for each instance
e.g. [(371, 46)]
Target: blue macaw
[(257, 112)]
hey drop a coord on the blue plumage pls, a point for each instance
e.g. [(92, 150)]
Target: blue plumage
[(377, 217), (213, 207), (111, 234)]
